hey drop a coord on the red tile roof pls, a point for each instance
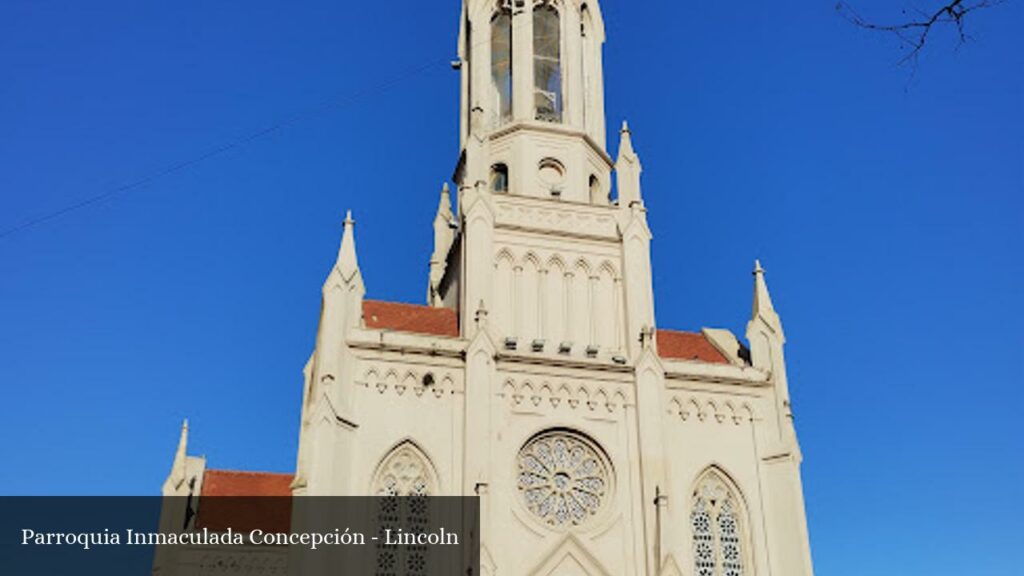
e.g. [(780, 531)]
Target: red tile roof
[(245, 501), (410, 318), (688, 346), (232, 483)]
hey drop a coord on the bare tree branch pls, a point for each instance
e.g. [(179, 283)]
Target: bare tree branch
[(915, 32)]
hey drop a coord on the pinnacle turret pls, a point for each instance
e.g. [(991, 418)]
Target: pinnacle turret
[(178, 468), (444, 237), (348, 264), (763, 307), (628, 169)]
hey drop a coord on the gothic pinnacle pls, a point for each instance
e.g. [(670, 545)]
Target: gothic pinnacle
[(183, 440), (762, 299), (444, 206), (628, 169), (180, 456), (626, 142), (347, 263)]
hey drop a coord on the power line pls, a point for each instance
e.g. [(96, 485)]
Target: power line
[(223, 148), (231, 145)]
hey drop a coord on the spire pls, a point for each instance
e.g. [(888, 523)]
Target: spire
[(628, 169), (180, 456), (183, 440), (625, 142), (444, 206), (344, 289), (763, 308), (444, 236), (340, 310), (444, 222), (347, 263), (767, 341), (762, 300)]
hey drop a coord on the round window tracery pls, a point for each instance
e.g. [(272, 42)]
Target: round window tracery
[(551, 172), (563, 479), (405, 472)]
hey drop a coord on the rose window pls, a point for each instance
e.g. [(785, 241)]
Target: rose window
[(563, 479)]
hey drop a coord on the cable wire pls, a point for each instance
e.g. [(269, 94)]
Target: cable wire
[(231, 145)]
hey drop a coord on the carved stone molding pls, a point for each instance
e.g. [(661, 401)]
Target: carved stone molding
[(414, 382), (599, 399), (709, 410), (557, 219)]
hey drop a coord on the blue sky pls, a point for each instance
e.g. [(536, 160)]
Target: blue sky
[(887, 210)]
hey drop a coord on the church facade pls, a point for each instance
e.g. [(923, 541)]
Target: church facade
[(536, 375)]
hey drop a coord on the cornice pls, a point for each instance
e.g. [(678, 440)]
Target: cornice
[(406, 343), (556, 129), (514, 359), (561, 218), (714, 374)]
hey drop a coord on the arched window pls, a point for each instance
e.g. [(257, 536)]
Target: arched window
[(718, 530), (404, 472), (586, 54), (501, 62), (403, 481), (547, 63), (595, 191), (499, 178)]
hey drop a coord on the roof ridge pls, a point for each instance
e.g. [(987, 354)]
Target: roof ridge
[(677, 331), (374, 300), (249, 472)]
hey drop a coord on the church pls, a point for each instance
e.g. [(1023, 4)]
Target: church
[(536, 375)]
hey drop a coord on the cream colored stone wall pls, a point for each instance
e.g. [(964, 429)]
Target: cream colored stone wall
[(595, 401), (713, 425), (547, 292), (396, 406)]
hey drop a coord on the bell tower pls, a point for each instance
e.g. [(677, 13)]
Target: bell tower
[(542, 243), (532, 62), (532, 85)]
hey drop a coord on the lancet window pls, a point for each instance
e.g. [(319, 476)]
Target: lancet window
[(717, 528), (404, 480), (547, 62), (501, 61)]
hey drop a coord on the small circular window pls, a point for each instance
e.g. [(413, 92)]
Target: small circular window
[(564, 478), (551, 172)]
